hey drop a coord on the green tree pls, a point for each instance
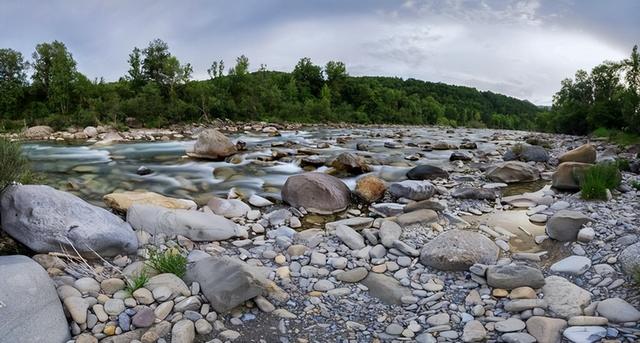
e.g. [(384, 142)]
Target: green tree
[(13, 80), (308, 78), (135, 74), (242, 66), (54, 75)]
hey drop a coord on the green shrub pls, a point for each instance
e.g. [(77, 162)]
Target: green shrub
[(598, 179), (601, 132), (14, 166), (635, 184), (168, 261), (136, 282)]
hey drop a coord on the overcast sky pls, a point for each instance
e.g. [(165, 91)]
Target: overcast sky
[(519, 48)]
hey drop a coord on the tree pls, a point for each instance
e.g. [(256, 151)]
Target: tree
[(135, 73), (631, 68), (54, 74), (308, 77), (155, 59), (242, 66), (216, 70), (13, 80)]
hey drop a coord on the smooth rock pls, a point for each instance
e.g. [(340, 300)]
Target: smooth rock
[(513, 171), (565, 299), (513, 276), (457, 250), (564, 225), (123, 200), (317, 193), (574, 265), (211, 144), (546, 330), (617, 310)]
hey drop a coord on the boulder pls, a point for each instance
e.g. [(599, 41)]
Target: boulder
[(122, 201), (30, 309), (350, 163), (512, 276), (617, 310), (526, 153), (47, 220), (568, 175), (213, 145), (629, 259), (513, 171), (90, 132), (546, 330), (195, 225), (350, 237), (467, 192), (417, 217), (228, 208), (227, 282), (370, 188), (460, 156), (385, 288), (316, 192), (427, 172), (457, 250), (564, 299), (412, 189), (38, 132), (564, 225), (585, 154)]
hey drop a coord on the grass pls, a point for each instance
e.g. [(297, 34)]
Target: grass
[(617, 136), (14, 166), (168, 261), (136, 282), (635, 184), (598, 179)]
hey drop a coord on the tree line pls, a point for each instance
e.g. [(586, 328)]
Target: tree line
[(158, 90)]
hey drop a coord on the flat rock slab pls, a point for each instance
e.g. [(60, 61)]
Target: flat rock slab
[(385, 288)]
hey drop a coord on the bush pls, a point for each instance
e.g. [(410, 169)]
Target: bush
[(598, 179), (14, 166), (635, 184), (168, 261)]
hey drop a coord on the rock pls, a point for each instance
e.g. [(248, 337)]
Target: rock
[(585, 334), (228, 208), (112, 285), (258, 201), (587, 321), (524, 304), (114, 307), (457, 250), (386, 288), (90, 132), (546, 330), (370, 188), (513, 171), (143, 296), (87, 285), (170, 281), (317, 193), (144, 317), (421, 217), (227, 282), (518, 337), (122, 201), (474, 331), (629, 259), (512, 276), (387, 209), (389, 232), (212, 144), (353, 275), (183, 332), (195, 225), (568, 175), (45, 220), (617, 310), (510, 325), (466, 192), (586, 234), (523, 293), (460, 156), (574, 265), (110, 138), (77, 308), (527, 153), (584, 154), (438, 319), (425, 204), (350, 237), (565, 299), (412, 189), (564, 225), (38, 132), (350, 163), (427, 172)]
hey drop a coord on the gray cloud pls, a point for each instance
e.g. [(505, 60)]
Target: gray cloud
[(521, 48)]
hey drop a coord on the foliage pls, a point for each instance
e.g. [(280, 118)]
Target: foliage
[(168, 261), (14, 166), (136, 282), (635, 184), (598, 179)]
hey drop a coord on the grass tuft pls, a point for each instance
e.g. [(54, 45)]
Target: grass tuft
[(635, 184), (168, 261), (136, 282), (14, 166), (598, 179)]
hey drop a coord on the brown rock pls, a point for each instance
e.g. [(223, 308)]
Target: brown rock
[(585, 153), (546, 330), (122, 201), (317, 192), (212, 144), (370, 188), (568, 175)]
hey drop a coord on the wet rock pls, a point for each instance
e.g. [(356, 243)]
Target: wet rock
[(565, 299), (370, 188), (427, 172), (564, 225), (526, 153), (617, 310), (45, 219), (513, 171), (568, 175), (512, 276), (466, 192), (122, 201), (386, 288), (142, 171), (460, 156), (546, 330), (584, 154), (316, 192), (195, 225), (468, 145), (228, 208), (227, 282), (212, 144), (412, 189), (350, 163), (38, 132), (457, 250)]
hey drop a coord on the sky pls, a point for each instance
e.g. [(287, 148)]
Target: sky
[(522, 48)]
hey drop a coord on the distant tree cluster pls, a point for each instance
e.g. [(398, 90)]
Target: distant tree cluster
[(158, 90)]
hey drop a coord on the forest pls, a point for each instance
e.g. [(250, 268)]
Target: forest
[(158, 90)]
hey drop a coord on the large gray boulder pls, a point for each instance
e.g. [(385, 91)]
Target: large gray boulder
[(38, 132), (568, 175), (526, 153), (457, 250), (513, 171), (30, 310), (46, 220), (195, 225), (317, 192), (427, 172), (565, 224), (213, 145), (510, 276), (565, 299), (386, 288), (412, 189), (629, 259), (227, 282)]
